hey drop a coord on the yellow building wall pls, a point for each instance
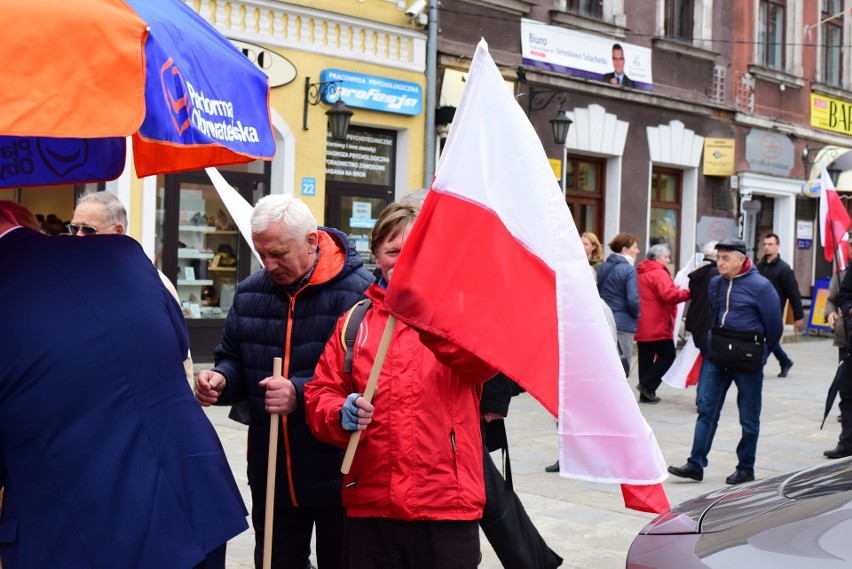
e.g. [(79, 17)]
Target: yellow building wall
[(310, 144), (288, 101)]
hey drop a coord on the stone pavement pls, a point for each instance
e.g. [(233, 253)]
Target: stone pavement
[(587, 523)]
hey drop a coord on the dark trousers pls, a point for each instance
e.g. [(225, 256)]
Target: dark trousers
[(844, 390), (655, 359), (715, 382), (380, 543), (291, 536)]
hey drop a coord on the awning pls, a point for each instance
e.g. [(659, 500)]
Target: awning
[(834, 158)]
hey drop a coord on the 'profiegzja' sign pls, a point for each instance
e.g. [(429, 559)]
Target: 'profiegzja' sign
[(374, 93)]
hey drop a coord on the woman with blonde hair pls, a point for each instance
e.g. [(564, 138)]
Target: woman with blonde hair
[(593, 247)]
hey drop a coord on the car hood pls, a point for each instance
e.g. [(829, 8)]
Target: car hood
[(729, 507)]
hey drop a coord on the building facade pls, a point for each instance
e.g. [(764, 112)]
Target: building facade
[(728, 109)]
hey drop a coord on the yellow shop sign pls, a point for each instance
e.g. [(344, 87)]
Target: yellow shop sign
[(831, 114)]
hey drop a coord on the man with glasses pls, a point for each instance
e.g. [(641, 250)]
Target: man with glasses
[(618, 77), (98, 213), (742, 300), (101, 213)]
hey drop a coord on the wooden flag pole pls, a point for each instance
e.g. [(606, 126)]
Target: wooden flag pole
[(370, 390), (272, 462)]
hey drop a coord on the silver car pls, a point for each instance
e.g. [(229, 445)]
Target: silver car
[(800, 520)]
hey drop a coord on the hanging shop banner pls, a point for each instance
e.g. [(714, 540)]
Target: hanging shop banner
[(375, 93), (585, 55), (769, 152)]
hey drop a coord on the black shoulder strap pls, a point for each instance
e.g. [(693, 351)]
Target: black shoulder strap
[(350, 330)]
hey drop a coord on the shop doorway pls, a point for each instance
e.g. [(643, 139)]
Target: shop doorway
[(359, 184), (201, 251)]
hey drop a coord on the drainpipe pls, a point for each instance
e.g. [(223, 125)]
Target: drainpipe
[(431, 82)]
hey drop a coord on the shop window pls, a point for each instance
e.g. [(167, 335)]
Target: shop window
[(198, 246), (666, 193), (770, 34), (584, 193), (679, 23), (359, 174), (832, 42)]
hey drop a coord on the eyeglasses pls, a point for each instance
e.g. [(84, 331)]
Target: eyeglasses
[(74, 229)]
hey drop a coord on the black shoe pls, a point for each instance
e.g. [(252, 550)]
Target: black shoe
[(687, 471), (553, 467), (647, 394), (643, 399), (785, 369), (740, 476), (838, 452)]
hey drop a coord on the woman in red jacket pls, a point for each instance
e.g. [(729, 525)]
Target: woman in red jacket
[(415, 492), (658, 300)]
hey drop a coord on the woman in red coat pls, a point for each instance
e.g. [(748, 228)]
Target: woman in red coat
[(415, 492), (658, 300)]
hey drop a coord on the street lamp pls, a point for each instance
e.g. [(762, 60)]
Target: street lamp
[(338, 115), (540, 99), (560, 126)]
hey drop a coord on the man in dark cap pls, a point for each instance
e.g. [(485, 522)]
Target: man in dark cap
[(740, 299)]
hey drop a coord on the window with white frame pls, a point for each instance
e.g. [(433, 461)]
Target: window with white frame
[(832, 42), (679, 19), (770, 33)]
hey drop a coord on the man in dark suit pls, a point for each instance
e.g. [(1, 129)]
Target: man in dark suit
[(106, 458), (618, 77)]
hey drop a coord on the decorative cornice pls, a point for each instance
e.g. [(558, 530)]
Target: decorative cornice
[(775, 76), (574, 21), (687, 49), (514, 7), (276, 24)]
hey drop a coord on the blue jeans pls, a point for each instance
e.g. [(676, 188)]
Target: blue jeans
[(782, 356), (713, 386)]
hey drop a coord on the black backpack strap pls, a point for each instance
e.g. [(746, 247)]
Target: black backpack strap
[(350, 330)]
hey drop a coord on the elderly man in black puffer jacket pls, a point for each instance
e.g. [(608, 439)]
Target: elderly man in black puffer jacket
[(289, 309)]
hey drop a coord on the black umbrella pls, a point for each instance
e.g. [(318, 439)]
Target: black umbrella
[(835, 386)]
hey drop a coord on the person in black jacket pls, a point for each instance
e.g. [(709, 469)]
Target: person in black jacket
[(782, 278), (289, 309), (844, 442), (698, 312)]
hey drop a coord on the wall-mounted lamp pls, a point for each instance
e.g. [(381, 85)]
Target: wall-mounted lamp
[(540, 99), (338, 115)]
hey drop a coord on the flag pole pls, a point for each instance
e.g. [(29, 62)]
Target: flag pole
[(370, 390), (272, 461)]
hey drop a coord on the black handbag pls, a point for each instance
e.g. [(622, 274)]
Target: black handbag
[(735, 350)]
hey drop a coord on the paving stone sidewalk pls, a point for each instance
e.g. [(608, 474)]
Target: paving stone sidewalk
[(587, 523)]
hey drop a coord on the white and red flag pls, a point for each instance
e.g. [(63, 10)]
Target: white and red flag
[(495, 264), (834, 222)]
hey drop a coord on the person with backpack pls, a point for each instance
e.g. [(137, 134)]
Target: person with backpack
[(415, 491)]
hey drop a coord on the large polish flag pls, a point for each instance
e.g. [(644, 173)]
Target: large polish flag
[(834, 222), (495, 264)]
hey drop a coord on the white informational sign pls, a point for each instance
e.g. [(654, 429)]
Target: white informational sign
[(581, 54), (804, 229), (362, 210)]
